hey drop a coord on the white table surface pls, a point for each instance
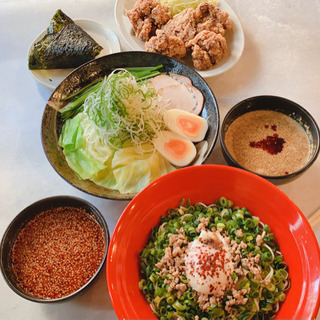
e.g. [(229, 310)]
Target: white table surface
[(281, 57)]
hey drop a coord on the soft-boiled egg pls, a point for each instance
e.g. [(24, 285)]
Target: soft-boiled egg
[(209, 264), (176, 149), (186, 124)]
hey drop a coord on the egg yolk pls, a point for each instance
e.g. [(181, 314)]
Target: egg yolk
[(176, 148), (189, 125)]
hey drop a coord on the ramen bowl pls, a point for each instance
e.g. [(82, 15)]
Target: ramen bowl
[(206, 184)]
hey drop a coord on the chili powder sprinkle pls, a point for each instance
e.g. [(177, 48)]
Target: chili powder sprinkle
[(272, 144), (58, 252)]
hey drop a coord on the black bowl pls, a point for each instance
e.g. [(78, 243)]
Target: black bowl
[(19, 223), (274, 103), (96, 70)]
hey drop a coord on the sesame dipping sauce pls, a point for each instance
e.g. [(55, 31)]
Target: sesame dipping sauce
[(58, 252), (268, 142)]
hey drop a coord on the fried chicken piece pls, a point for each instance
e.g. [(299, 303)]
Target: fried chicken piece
[(182, 25), (211, 18), (207, 48), (147, 16), (200, 30), (160, 14), (165, 44), (143, 29), (200, 58)]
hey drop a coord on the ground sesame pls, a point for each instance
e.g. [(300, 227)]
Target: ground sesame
[(268, 142), (57, 252)]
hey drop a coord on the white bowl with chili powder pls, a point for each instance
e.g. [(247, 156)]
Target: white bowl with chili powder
[(54, 249), (270, 136)]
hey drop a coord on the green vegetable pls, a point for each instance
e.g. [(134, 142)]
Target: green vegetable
[(176, 6), (75, 106), (108, 129), (141, 74), (145, 73)]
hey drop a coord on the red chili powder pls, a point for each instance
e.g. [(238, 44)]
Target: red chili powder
[(58, 252), (210, 265), (271, 144), (273, 127)]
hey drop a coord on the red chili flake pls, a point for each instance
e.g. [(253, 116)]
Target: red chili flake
[(271, 144), (273, 127), (57, 252), (209, 264)]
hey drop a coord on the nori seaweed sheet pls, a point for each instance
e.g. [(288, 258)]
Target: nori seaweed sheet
[(65, 45)]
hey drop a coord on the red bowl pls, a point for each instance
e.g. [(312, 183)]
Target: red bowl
[(207, 183)]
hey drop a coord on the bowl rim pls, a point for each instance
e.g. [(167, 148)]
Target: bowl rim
[(118, 286), (90, 209), (166, 61), (247, 101)]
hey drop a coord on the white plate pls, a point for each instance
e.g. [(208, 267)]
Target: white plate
[(235, 37), (103, 36)]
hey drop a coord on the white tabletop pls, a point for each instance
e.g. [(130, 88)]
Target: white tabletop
[(281, 57)]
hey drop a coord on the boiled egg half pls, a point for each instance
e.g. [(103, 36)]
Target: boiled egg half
[(176, 149), (209, 267), (186, 124)]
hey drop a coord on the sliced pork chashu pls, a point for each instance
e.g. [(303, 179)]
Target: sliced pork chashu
[(178, 93)]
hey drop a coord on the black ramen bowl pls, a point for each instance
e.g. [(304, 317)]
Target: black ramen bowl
[(285, 106), (96, 70), (21, 220)]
